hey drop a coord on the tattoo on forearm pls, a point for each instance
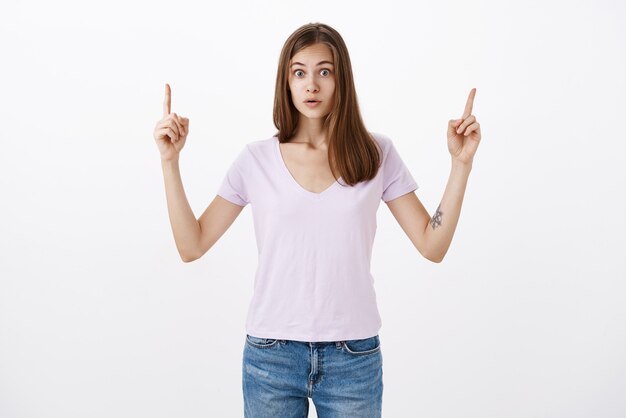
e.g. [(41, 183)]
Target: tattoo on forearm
[(436, 219)]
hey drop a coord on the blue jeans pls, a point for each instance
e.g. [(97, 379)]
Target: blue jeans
[(343, 378)]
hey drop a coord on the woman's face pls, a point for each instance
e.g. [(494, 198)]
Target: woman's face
[(312, 76)]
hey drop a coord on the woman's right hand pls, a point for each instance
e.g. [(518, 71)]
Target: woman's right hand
[(171, 131)]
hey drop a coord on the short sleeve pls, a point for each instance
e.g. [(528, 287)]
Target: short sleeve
[(397, 179), (234, 187)]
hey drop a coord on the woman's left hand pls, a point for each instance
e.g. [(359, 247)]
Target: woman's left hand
[(464, 134)]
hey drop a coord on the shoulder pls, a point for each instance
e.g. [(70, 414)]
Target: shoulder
[(259, 150), (384, 141), (262, 142), (261, 145)]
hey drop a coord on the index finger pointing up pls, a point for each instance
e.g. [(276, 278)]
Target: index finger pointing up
[(470, 104), (167, 102)]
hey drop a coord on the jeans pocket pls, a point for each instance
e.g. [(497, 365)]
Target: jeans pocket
[(261, 342), (362, 347)]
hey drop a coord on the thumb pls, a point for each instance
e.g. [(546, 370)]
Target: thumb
[(453, 124)]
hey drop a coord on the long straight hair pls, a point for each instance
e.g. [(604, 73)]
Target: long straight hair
[(352, 151)]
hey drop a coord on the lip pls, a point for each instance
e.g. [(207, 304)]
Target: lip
[(312, 104)]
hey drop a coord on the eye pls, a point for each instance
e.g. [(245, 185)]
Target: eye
[(296, 72), (326, 69)]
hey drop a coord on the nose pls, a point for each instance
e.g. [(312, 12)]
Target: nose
[(312, 85)]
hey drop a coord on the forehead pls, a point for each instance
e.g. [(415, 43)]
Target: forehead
[(313, 54)]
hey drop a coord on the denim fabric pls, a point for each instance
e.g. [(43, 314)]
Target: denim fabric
[(342, 378)]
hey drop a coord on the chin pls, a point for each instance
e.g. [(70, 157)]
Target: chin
[(314, 113), (314, 116)]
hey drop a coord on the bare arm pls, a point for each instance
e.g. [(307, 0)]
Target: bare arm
[(432, 235), (441, 227), (185, 226), (216, 219), (194, 237)]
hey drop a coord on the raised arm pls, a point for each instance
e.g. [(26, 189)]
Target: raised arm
[(193, 237), (432, 235)]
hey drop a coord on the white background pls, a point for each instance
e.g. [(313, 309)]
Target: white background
[(99, 317)]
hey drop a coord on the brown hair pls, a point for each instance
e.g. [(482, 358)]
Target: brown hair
[(352, 151)]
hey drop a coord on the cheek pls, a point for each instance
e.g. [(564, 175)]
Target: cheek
[(292, 90), (331, 89), (293, 87)]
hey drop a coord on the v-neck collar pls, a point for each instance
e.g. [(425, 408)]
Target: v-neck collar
[(297, 185)]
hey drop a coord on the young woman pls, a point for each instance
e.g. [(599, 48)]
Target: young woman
[(314, 187)]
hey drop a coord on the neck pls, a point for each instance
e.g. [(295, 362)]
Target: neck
[(312, 132)]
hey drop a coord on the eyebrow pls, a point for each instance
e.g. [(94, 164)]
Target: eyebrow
[(319, 63)]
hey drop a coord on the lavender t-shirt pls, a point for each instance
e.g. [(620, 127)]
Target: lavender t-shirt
[(313, 280)]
